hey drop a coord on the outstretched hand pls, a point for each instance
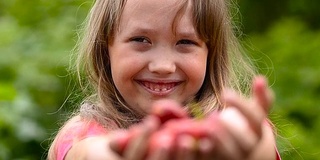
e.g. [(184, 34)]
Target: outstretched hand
[(169, 133), (243, 120)]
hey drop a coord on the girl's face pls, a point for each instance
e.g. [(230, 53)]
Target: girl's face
[(156, 54)]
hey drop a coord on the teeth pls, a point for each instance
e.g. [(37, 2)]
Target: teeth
[(158, 87)]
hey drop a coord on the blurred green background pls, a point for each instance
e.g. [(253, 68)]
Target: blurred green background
[(36, 89)]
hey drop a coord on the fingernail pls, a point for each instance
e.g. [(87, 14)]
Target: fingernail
[(205, 145)]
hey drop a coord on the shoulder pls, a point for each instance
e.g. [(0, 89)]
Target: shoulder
[(76, 129), (92, 148)]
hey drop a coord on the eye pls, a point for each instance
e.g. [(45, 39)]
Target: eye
[(140, 43), (140, 39), (186, 42)]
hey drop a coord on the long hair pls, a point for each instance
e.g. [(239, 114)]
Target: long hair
[(226, 64)]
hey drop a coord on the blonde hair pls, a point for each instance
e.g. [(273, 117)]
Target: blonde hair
[(226, 67)]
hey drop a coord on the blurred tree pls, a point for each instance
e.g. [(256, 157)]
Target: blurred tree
[(258, 16)]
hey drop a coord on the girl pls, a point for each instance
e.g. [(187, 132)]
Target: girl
[(137, 52)]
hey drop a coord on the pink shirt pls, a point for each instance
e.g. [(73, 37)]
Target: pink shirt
[(78, 131), (278, 155)]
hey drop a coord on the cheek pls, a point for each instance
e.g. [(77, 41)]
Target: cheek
[(123, 68), (198, 67), (195, 69), (122, 79), (122, 63), (122, 71), (199, 73)]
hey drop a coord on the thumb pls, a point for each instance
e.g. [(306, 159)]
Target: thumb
[(262, 94)]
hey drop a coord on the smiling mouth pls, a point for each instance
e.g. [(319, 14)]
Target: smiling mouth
[(160, 87)]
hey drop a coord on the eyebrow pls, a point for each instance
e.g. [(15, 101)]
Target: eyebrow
[(191, 34), (142, 29)]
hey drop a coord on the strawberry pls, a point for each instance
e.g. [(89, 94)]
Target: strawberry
[(174, 125), (192, 127), (166, 110)]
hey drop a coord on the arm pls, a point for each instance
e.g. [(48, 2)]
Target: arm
[(266, 148)]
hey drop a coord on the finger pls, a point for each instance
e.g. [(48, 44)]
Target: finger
[(205, 147), (225, 145), (253, 112), (161, 145), (137, 147), (119, 141), (186, 147), (160, 153), (262, 94), (240, 130), (214, 127)]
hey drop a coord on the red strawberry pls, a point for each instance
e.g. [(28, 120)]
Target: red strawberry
[(168, 109), (192, 127)]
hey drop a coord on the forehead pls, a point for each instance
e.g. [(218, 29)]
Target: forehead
[(156, 12), (153, 6)]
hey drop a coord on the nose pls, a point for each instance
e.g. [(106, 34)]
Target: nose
[(162, 63)]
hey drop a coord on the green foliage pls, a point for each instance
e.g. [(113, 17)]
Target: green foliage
[(36, 39), (258, 16), (289, 54), (38, 35)]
